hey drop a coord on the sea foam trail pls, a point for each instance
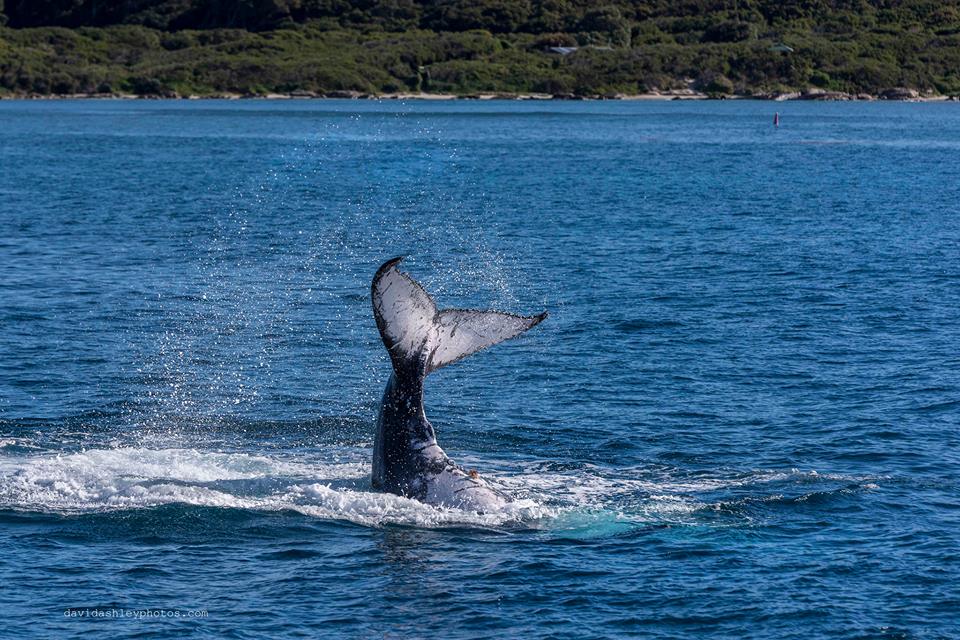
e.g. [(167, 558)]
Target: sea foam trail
[(588, 498), (131, 478)]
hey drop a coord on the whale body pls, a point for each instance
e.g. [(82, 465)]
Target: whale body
[(420, 339)]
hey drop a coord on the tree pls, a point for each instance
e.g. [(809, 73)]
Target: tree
[(728, 31), (609, 22), (496, 16)]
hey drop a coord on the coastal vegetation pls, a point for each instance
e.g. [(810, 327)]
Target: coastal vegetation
[(570, 47)]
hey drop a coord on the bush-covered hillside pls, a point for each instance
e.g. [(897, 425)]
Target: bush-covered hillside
[(460, 46)]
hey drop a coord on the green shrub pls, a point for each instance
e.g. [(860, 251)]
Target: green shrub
[(142, 86), (469, 46)]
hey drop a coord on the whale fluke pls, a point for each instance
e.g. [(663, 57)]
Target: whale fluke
[(420, 339), (417, 334), (461, 332)]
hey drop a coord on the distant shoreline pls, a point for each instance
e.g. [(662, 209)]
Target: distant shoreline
[(814, 95)]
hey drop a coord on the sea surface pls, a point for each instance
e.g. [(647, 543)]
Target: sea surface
[(741, 419)]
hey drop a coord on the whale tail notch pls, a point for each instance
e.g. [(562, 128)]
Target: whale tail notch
[(418, 335)]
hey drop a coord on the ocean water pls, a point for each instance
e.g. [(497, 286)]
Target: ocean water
[(740, 420)]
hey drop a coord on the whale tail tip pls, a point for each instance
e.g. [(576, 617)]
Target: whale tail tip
[(418, 334)]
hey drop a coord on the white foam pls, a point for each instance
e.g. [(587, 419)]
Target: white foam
[(128, 478), (365, 507), (99, 480), (593, 484), (22, 443)]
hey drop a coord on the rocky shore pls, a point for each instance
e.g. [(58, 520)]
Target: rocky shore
[(901, 94)]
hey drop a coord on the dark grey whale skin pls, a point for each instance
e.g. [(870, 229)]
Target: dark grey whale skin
[(405, 450), (403, 431)]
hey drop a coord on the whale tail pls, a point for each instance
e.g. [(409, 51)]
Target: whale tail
[(420, 337)]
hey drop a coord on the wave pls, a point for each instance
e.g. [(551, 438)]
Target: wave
[(579, 500), (136, 478)]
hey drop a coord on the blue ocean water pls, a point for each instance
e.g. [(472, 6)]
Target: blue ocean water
[(739, 421)]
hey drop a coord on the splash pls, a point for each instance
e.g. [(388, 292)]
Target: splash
[(585, 502), (133, 478)]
